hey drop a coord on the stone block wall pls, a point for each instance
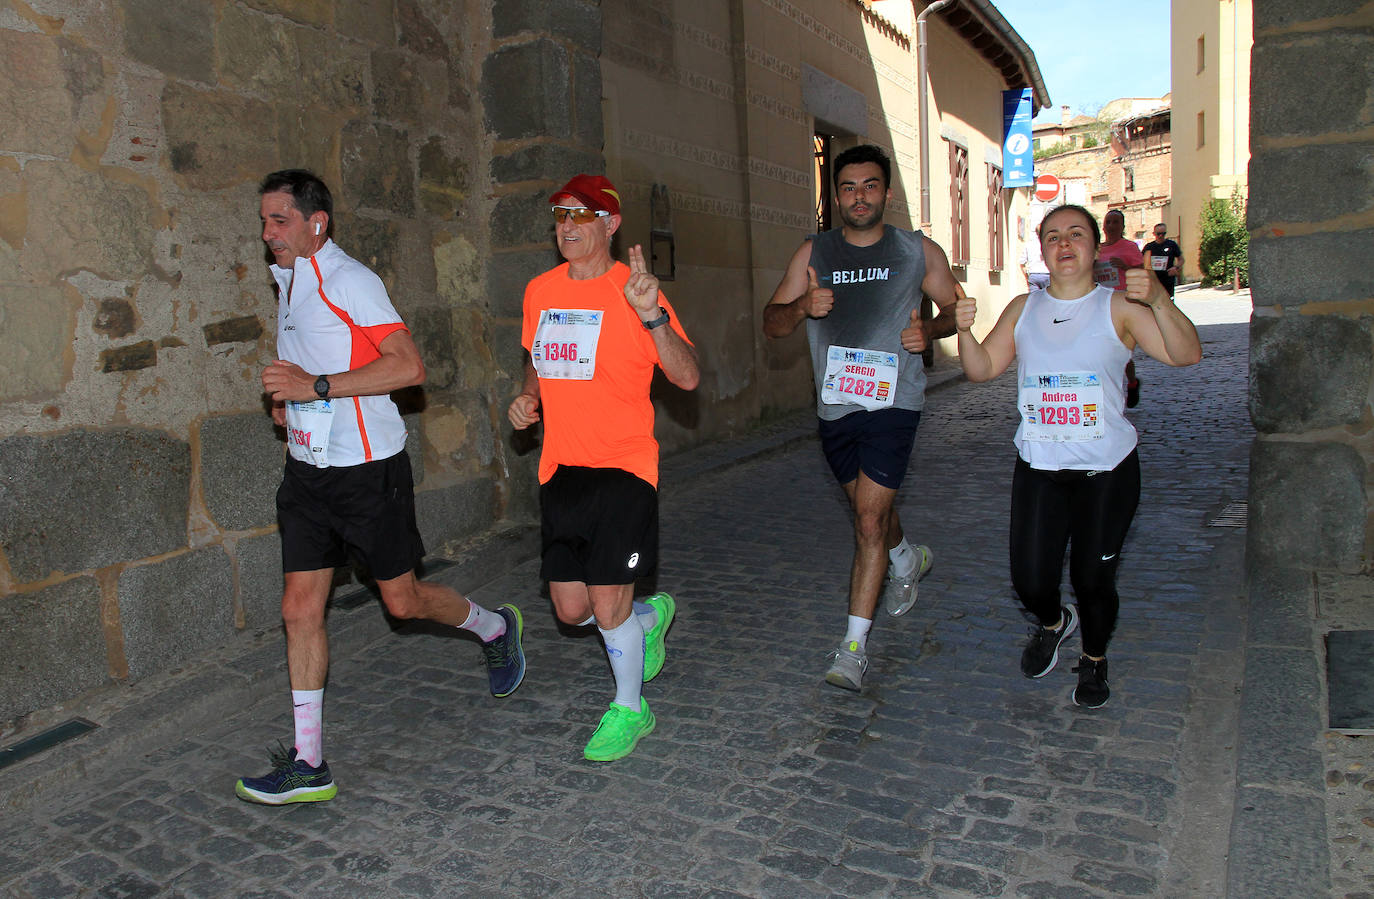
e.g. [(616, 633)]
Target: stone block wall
[(540, 89), (1311, 218), (137, 463)]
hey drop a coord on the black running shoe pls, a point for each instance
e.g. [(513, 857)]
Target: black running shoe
[(1091, 692), (290, 780), (1042, 652)]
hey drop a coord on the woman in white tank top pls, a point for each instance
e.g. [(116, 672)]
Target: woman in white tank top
[(1077, 477)]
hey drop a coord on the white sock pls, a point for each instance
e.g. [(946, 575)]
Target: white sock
[(858, 631), (591, 619), (487, 625), (625, 648), (647, 615), (901, 559), (308, 708)]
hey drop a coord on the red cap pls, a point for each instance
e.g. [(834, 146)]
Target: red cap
[(593, 191)]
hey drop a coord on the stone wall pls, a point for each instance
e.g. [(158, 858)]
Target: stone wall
[(1311, 217), (137, 463), (541, 90), (1089, 167)]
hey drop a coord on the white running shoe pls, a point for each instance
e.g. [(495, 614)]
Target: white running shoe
[(847, 671), (899, 593)]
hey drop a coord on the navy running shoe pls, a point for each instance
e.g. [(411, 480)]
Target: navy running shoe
[(290, 780), (505, 657)]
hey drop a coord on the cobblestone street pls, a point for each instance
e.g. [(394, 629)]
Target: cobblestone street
[(948, 775)]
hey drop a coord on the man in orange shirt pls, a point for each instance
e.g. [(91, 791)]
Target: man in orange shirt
[(595, 329)]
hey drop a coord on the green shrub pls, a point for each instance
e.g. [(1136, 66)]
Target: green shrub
[(1224, 246)]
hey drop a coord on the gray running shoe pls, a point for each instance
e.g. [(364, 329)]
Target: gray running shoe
[(847, 671), (899, 593)]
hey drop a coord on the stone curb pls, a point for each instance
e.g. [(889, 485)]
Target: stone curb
[(1278, 840)]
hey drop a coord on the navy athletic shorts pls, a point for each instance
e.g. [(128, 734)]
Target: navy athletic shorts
[(877, 443)]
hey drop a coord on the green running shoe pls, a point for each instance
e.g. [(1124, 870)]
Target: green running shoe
[(654, 652), (620, 729)]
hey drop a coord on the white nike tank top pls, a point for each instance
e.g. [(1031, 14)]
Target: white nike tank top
[(1070, 366)]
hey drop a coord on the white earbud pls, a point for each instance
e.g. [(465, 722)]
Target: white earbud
[(317, 227)]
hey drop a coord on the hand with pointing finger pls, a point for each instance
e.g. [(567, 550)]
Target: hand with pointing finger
[(818, 300), (914, 334), (641, 291)]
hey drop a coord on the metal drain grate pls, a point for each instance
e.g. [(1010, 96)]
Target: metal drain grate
[(1233, 516), (68, 730)]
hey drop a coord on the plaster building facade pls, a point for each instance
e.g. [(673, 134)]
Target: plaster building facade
[(1069, 133), (137, 463), (1210, 72)]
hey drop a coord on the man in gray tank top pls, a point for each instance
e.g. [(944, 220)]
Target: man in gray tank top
[(859, 291)]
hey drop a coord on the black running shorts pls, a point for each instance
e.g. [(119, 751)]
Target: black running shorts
[(600, 526), (368, 510)]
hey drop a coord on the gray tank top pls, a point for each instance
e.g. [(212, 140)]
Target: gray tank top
[(875, 289)]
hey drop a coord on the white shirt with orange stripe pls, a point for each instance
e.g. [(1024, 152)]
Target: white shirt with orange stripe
[(332, 313)]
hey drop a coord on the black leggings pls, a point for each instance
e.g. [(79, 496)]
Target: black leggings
[(1094, 511)]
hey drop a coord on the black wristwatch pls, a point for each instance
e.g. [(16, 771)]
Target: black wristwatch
[(657, 322), (322, 387)]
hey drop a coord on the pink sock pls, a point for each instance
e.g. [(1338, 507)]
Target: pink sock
[(308, 706)]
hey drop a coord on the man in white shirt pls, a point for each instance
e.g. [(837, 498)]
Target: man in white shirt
[(347, 491)]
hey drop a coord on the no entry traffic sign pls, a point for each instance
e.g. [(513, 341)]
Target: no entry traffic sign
[(1046, 187)]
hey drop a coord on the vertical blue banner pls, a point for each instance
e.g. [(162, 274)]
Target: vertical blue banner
[(1018, 166)]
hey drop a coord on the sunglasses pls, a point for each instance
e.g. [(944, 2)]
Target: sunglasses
[(579, 214)]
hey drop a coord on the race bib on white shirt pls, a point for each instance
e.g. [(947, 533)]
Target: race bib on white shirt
[(859, 377), (307, 431), (1061, 407), (565, 343)]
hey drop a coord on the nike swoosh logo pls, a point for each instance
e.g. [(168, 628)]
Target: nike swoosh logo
[(1109, 558), (1060, 321)]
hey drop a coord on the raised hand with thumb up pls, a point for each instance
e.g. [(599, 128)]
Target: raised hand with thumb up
[(914, 339), (818, 300), (965, 309), (1142, 286)]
